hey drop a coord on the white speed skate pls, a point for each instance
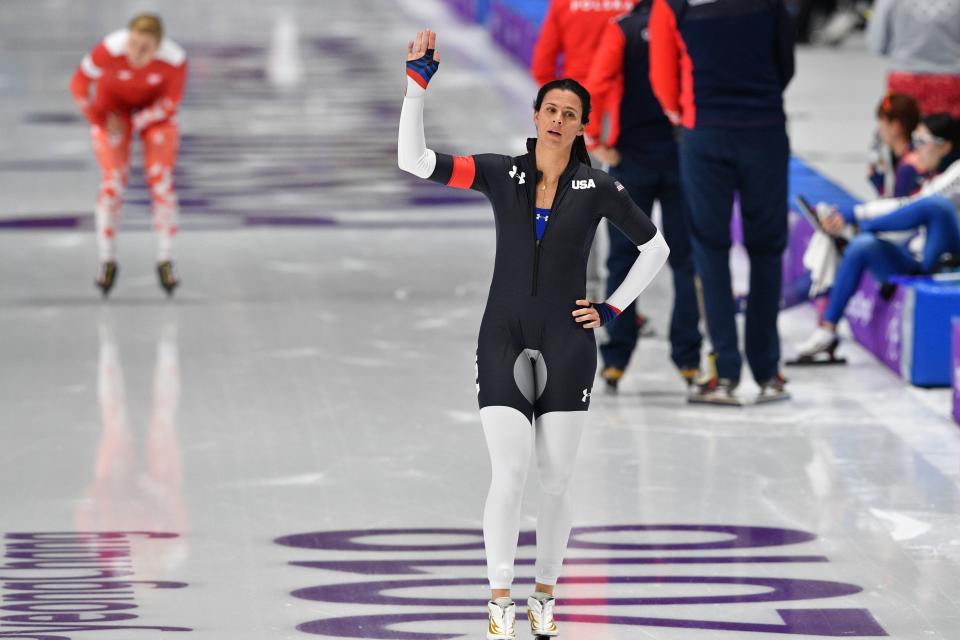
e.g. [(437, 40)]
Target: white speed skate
[(502, 623), (540, 614)]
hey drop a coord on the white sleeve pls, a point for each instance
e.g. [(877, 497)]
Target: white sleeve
[(412, 153), (877, 208), (947, 184), (90, 69), (653, 254)]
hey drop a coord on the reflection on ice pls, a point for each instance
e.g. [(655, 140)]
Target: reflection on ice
[(138, 485)]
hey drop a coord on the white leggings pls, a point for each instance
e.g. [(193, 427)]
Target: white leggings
[(557, 437)]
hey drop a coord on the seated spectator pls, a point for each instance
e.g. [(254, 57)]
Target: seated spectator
[(896, 171), (897, 236), (922, 40)]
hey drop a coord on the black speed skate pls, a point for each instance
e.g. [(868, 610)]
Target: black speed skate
[(167, 277), (108, 275)]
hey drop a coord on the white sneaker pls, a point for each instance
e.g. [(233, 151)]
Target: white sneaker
[(540, 614), (820, 341), (503, 614)]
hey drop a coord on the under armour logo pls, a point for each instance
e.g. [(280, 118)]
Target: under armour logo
[(543, 217), (513, 174), (586, 395)]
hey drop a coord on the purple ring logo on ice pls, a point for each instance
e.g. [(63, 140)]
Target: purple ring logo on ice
[(431, 581)]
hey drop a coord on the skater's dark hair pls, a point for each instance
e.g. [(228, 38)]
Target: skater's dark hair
[(579, 150)]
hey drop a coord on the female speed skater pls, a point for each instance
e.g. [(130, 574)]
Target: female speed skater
[(139, 78), (536, 352)]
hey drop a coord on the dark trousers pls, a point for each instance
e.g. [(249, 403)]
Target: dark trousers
[(714, 164), (646, 184)]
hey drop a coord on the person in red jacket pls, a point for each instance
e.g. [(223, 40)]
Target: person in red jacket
[(572, 29), (139, 78)]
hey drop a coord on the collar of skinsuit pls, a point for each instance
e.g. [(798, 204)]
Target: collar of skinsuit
[(531, 157)]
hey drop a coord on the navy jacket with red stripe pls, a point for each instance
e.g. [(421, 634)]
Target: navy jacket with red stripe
[(619, 82), (721, 63)]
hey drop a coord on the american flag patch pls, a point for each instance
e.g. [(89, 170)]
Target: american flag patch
[(619, 186)]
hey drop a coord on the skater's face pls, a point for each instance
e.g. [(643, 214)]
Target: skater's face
[(558, 120), (930, 149), (141, 47)]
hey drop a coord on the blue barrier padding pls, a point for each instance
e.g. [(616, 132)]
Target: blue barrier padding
[(934, 304)]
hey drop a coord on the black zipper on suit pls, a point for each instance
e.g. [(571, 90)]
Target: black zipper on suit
[(562, 186)]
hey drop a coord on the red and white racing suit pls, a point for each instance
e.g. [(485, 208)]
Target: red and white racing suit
[(145, 101)]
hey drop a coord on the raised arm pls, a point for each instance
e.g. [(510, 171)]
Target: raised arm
[(422, 62), (461, 172)]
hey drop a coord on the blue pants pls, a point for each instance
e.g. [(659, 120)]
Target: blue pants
[(714, 164), (884, 259), (646, 184)]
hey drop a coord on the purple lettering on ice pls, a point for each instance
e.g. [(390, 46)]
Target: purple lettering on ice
[(62, 583), (703, 590)]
